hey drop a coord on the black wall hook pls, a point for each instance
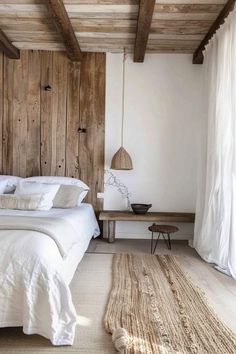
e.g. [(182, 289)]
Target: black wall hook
[(81, 130), (48, 88)]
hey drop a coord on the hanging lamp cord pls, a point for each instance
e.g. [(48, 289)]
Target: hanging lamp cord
[(123, 101)]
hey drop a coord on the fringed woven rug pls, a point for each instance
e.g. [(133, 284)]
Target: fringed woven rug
[(155, 308)]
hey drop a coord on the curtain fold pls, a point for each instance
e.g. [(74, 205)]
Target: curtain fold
[(215, 226)]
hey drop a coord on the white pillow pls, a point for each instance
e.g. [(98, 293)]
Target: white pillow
[(48, 190), (3, 185), (12, 182), (62, 180)]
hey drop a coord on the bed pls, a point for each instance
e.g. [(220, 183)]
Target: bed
[(40, 251)]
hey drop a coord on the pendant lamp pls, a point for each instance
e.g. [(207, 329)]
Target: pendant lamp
[(122, 160)]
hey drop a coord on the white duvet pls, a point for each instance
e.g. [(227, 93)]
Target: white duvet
[(35, 273)]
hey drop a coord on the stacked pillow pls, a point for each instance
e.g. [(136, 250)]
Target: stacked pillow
[(3, 186), (21, 202), (42, 193), (10, 183), (47, 193), (68, 186)]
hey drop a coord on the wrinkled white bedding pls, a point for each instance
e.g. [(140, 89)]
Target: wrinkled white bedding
[(34, 277)]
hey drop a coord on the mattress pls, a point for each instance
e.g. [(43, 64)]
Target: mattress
[(34, 277)]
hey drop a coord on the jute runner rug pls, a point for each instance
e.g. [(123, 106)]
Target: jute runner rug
[(155, 308)]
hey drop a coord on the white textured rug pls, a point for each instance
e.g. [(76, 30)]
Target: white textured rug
[(90, 290)]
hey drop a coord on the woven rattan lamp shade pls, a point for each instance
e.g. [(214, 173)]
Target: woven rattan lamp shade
[(121, 160)]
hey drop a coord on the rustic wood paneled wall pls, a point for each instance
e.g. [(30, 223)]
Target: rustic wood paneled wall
[(39, 128)]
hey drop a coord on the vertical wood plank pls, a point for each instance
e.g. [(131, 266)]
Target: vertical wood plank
[(73, 119), (92, 110), (20, 93), (58, 117), (33, 114), (45, 113), (7, 137), (1, 107), (86, 110), (99, 127)]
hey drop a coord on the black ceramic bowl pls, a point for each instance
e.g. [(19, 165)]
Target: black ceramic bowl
[(140, 208)]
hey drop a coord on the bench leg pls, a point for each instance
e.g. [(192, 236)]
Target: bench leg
[(111, 231)]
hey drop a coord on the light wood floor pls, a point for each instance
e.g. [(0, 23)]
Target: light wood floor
[(218, 288), (90, 288)]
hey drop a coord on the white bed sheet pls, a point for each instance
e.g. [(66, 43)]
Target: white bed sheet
[(82, 218), (26, 252)]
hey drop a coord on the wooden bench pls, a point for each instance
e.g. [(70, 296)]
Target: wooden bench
[(111, 216)]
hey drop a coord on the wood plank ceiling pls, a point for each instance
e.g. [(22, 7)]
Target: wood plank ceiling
[(110, 25)]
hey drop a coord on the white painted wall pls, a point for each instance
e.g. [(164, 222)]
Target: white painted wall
[(164, 105)]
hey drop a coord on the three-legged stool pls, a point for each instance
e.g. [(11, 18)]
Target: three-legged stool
[(165, 231)]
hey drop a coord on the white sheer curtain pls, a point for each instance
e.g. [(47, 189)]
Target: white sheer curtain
[(215, 227)]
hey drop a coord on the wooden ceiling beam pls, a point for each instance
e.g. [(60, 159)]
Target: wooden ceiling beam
[(7, 47), (198, 54), (62, 22), (146, 9)]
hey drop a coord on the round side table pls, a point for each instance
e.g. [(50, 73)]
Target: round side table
[(162, 230)]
